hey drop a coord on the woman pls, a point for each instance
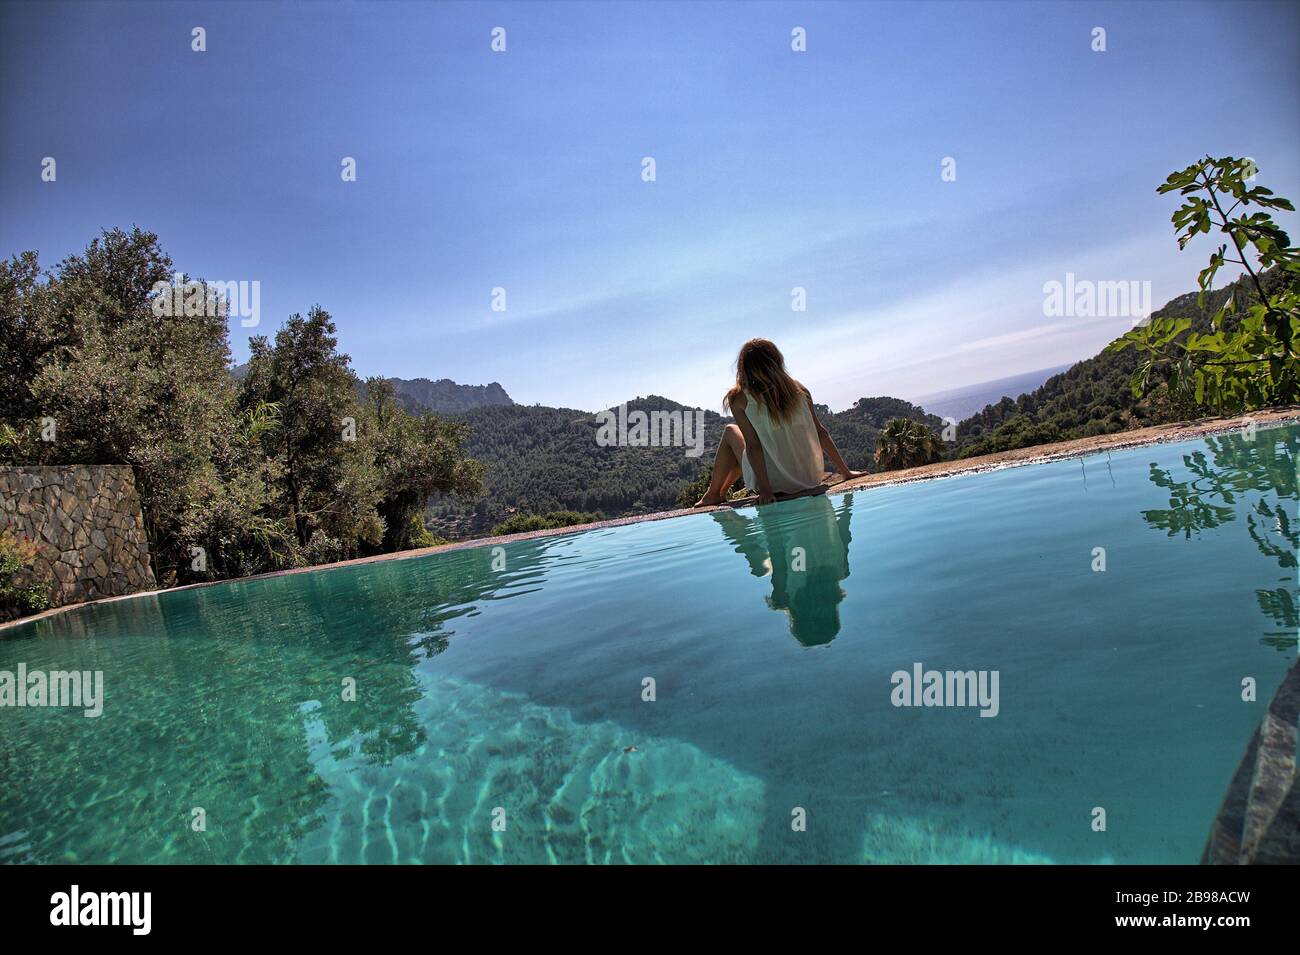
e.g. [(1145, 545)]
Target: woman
[(777, 443)]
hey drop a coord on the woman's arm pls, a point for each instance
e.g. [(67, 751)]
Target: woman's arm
[(828, 443), (753, 451)]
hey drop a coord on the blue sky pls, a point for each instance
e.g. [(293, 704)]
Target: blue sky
[(522, 170)]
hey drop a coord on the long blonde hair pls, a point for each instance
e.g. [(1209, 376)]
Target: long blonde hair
[(760, 370)]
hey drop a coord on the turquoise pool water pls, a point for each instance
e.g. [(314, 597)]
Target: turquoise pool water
[(514, 694)]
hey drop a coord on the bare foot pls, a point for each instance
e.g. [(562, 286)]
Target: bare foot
[(708, 500)]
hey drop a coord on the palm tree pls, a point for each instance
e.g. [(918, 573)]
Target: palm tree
[(906, 444)]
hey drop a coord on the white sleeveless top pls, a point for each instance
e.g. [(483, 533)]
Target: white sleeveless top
[(791, 449)]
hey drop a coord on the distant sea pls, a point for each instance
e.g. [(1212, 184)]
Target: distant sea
[(961, 403)]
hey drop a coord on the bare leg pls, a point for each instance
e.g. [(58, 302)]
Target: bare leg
[(726, 466)]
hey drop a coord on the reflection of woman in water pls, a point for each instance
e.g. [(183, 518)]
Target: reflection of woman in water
[(804, 545)]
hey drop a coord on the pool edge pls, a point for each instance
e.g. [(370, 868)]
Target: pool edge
[(982, 464)]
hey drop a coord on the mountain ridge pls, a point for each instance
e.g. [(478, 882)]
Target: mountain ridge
[(445, 396)]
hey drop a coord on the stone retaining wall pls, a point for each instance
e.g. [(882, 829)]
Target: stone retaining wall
[(86, 520)]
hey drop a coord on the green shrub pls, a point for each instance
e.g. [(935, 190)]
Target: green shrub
[(522, 523), (420, 536), (1250, 356), (17, 556)]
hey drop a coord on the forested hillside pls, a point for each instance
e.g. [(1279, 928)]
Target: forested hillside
[(541, 459), (1094, 396)]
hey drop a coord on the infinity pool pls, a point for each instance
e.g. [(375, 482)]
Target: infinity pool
[(503, 709)]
